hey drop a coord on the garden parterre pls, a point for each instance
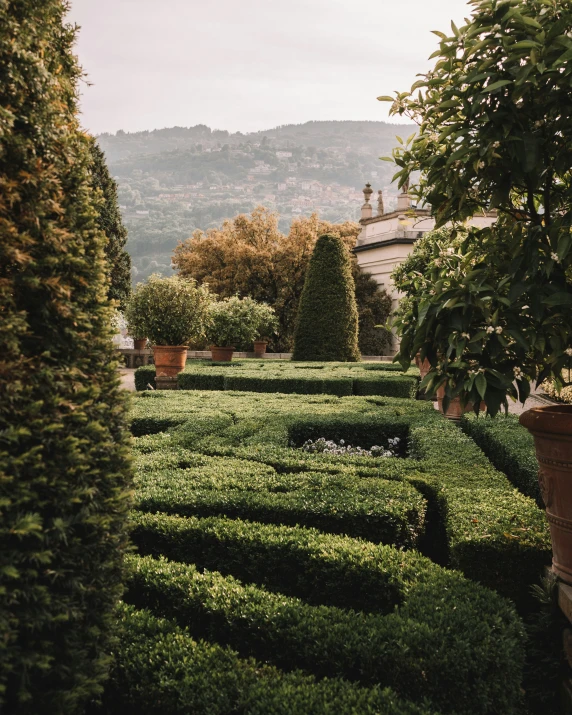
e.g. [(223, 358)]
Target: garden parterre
[(310, 562), (286, 376)]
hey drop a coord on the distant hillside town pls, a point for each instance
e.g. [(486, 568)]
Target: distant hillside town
[(173, 181)]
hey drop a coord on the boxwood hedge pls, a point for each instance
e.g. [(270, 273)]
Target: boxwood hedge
[(442, 618), (284, 376), (159, 668), (475, 520), (510, 447)]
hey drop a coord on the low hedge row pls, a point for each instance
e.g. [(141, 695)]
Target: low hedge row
[(290, 378), (160, 670), (510, 447), (446, 632), (390, 512), (475, 520)]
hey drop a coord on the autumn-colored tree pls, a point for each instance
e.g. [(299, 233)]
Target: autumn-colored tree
[(249, 255)]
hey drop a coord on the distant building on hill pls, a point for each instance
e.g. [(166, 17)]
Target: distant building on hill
[(386, 239)]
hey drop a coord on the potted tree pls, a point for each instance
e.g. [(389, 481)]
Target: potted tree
[(267, 326), (495, 133), (235, 321), (171, 312), (134, 319)]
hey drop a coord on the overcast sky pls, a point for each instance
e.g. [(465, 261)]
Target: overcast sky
[(250, 64)]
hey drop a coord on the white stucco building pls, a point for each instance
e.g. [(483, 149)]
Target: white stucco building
[(388, 238)]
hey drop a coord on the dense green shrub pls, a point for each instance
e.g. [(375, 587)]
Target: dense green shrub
[(290, 377), (510, 447), (374, 309), (168, 311), (145, 376), (454, 632), (64, 471), (109, 221), (236, 322), (477, 522), (160, 669), (327, 320), (381, 511)]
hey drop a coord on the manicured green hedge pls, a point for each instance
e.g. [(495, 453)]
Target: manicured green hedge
[(284, 376), (160, 670), (446, 632), (510, 447), (475, 520), (144, 376), (381, 511)]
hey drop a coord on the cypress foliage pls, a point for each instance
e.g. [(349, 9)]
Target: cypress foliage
[(327, 323), (374, 307), (64, 470), (109, 221)]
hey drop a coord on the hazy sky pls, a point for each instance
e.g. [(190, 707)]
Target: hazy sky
[(250, 64)]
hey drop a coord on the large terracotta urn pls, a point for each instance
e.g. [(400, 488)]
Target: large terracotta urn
[(169, 360), (423, 365), (139, 343), (551, 428), (223, 354), (260, 348)]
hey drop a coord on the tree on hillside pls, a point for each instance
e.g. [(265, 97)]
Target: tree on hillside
[(327, 321), (109, 221), (249, 255), (64, 471)]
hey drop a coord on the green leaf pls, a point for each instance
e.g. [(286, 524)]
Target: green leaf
[(558, 299), (497, 85), (386, 98), (525, 45), (481, 385)]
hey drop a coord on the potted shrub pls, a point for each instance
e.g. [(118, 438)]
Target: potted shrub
[(510, 281), (267, 326), (171, 312), (234, 321)]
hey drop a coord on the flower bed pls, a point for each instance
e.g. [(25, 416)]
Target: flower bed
[(285, 376), (290, 557)]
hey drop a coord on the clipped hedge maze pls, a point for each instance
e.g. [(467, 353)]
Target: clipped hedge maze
[(285, 376), (265, 570)]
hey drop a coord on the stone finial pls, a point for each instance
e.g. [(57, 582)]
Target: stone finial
[(380, 207), (366, 211), (404, 200)]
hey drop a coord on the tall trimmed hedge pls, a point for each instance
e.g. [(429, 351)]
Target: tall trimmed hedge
[(64, 471), (327, 323), (109, 221)]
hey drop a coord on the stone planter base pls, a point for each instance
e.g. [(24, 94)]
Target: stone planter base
[(166, 382)]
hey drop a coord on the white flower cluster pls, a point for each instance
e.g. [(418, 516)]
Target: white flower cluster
[(328, 446)]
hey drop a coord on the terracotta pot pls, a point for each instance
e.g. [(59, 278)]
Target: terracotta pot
[(424, 366), (260, 348), (551, 428), (456, 410), (221, 354), (169, 360), (139, 343)]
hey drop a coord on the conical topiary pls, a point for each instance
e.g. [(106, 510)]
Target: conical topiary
[(327, 325)]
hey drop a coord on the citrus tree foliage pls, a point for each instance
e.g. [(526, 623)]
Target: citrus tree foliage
[(249, 256), (327, 323), (64, 471), (495, 134), (168, 311), (109, 221), (237, 322)]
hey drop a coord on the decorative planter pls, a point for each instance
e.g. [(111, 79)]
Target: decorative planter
[(221, 354), (260, 348), (551, 428), (423, 365), (456, 410), (169, 359), (139, 343)]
